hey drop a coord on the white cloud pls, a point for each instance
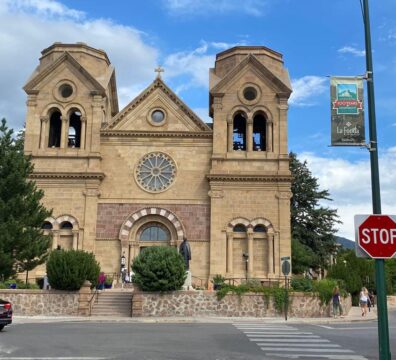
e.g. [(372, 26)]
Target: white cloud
[(349, 183), (351, 50), (210, 7), (30, 26), (193, 66), (306, 89)]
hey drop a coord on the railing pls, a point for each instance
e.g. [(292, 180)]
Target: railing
[(199, 282), (92, 299), (265, 282)]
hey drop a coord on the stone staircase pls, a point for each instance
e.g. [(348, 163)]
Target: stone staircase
[(113, 303)]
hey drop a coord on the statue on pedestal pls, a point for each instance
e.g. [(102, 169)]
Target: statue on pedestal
[(185, 251)]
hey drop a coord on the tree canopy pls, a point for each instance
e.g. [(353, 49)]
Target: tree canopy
[(312, 224), (23, 245)]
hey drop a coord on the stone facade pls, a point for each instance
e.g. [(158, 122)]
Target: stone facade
[(39, 302), (205, 303), (154, 172)]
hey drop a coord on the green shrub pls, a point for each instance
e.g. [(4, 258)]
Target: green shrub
[(324, 288), (67, 270), (159, 268), (302, 284)]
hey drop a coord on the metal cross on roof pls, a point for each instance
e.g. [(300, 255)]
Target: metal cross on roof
[(159, 70)]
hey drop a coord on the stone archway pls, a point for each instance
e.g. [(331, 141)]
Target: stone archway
[(128, 228)]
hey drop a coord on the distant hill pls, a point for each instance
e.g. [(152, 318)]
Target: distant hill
[(345, 243)]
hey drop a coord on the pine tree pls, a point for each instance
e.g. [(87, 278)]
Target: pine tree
[(23, 245), (312, 225)]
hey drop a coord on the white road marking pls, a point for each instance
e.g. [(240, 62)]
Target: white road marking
[(316, 356), (301, 345), (264, 333), (268, 348), (294, 340), (294, 336), (55, 358)]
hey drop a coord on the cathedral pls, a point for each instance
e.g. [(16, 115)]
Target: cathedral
[(153, 173)]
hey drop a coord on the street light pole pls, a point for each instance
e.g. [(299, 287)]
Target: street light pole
[(383, 327)]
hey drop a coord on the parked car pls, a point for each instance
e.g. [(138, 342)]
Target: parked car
[(5, 313)]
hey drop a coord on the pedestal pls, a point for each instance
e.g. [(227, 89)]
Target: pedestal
[(188, 282)]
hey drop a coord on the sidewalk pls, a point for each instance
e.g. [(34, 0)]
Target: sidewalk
[(353, 315)]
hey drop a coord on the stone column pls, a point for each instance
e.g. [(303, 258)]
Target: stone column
[(269, 136), (283, 126), (75, 239), (270, 257), (43, 133), (250, 251), (64, 132), (230, 134), (249, 133), (90, 215), (277, 255), (32, 131), (84, 298), (55, 239), (83, 132), (230, 253)]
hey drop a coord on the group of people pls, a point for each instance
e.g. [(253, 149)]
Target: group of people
[(366, 301)]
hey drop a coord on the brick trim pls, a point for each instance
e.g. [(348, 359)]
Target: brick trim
[(127, 225)]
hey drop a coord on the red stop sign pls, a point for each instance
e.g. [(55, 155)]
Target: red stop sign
[(376, 235)]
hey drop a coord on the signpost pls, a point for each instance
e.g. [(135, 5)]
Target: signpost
[(286, 267)]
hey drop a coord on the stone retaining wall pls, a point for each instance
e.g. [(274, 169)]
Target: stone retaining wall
[(42, 302), (205, 303)]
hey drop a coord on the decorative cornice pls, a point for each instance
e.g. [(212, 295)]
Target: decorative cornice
[(188, 134), (249, 178), (69, 175)]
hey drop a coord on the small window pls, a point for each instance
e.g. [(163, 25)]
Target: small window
[(74, 135), (239, 228), (66, 225), (260, 228), (54, 137), (65, 90), (157, 116), (155, 232), (46, 225), (250, 93), (259, 133)]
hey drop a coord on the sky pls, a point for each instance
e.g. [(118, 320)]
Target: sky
[(317, 38)]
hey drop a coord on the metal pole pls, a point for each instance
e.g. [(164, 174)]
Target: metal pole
[(383, 327)]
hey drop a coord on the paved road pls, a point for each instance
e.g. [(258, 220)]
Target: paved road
[(241, 340)]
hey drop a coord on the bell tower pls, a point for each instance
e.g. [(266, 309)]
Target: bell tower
[(249, 91), (71, 94)]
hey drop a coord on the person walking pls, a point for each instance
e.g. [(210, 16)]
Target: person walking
[(336, 302), (363, 300), (101, 280)]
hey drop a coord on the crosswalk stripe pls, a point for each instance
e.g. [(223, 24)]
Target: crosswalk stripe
[(294, 336), (302, 345), (316, 356), (296, 340), (268, 348), (261, 333)]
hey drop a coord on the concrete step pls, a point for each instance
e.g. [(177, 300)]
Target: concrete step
[(112, 303)]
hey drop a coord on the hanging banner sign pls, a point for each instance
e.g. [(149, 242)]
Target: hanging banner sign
[(347, 115)]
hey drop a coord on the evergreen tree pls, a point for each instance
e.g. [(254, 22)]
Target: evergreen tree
[(23, 245), (312, 225)]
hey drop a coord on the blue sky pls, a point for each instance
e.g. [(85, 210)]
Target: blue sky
[(317, 38)]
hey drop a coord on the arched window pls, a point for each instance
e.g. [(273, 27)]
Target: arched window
[(46, 225), (260, 228), (239, 228), (259, 133), (155, 232), (239, 132), (55, 129), (66, 225), (74, 134)]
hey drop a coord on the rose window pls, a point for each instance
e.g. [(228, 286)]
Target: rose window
[(155, 172)]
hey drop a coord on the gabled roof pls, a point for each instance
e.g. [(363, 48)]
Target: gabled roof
[(158, 83), (65, 57), (282, 85)]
